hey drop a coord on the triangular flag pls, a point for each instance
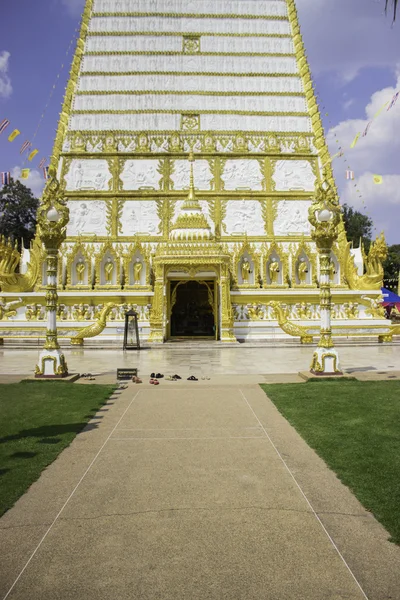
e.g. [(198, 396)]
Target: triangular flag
[(33, 154), (380, 110), (25, 173), (13, 135), (354, 142), (378, 179)]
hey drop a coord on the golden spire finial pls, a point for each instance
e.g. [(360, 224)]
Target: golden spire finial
[(192, 195)]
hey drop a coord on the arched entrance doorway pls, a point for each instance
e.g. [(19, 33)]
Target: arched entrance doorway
[(192, 309)]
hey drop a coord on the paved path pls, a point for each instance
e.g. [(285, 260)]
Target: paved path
[(184, 492)]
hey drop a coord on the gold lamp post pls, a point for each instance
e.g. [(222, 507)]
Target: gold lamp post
[(324, 216), (53, 216)]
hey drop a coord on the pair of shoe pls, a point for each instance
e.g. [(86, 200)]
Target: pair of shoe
[(154, 381), (158, 376), (206, 377), (173, 378), (192, 378), (136, 379)]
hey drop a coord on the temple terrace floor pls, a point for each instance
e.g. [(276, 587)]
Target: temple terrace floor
[(208, 360)]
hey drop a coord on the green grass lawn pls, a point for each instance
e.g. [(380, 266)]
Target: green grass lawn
[(37, 421), (355, 427)]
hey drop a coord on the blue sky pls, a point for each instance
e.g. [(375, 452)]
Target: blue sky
[(354, 55)]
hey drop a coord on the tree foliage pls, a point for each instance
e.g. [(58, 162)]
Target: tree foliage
[(392, 267), (18, 208), (358, 227)]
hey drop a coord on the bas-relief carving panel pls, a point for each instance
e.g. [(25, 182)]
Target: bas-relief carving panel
[(205, 209), (114, 122), (187, 25), (88, 175), (141, 174), (292, 217), (87, 218), (189, 83), (140, 216), (237, 7), (188, 63), (244, 217), (293, 175), (181, 175), (189, 102), (244, 174), (131, 43)]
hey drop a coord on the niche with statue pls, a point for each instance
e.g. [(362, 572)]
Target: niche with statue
[(303, 270), (137, 270), (274, 270), (108, 270), (245, 270), (79, 269)]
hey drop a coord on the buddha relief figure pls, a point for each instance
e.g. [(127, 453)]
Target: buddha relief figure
[(137, 271), (245, 269), (302, 270), (274, 271), (108, 270), (80, 268)]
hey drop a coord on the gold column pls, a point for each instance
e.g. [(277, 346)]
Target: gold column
[(227, 334), (157, 308)]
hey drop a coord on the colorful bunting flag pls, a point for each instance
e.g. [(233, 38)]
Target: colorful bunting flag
[(366, 129), (394, 100), (4, 124), (42, 163), (25, 173), (13, 135), (378, 179), (354, 142), (380, 110), (25, 146), (33, 154), (349, 174), (5, 177), (46, 172)]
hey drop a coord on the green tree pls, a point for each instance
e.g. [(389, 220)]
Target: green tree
[(18, 208), (358, 227), (392, 268)]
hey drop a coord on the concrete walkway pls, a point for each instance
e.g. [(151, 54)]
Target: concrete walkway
[(183, 492)]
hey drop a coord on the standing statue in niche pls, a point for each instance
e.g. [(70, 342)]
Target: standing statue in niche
[(80, 271), (274, 271), (108, 270), (302, 270), (245, 270), (137, 271)]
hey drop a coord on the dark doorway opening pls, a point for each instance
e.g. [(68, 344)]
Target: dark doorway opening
[(192, 309)]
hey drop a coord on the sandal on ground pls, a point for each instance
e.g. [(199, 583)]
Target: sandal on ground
[(169, 378), (152, 380), (176, 376), (159, 376), (153, 375), (192, 378), (138, 380), (156, 382), (134, 378)]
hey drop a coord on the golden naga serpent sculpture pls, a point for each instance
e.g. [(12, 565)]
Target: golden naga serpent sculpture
[(289, 327)]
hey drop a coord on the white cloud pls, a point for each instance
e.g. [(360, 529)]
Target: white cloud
[(35, 180), (74, 7), (5, 83), (377, 153), (353, 34)]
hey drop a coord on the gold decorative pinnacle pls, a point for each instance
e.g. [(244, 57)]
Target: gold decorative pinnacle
[(191, 201)]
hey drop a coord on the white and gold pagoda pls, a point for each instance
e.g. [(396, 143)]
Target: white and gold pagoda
[(188, 149)]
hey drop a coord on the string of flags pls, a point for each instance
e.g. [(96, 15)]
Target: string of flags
[(377, 179), (27, 150)]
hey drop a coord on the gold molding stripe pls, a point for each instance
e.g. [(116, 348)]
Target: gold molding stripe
[(181, 34), (183, 73), (185, 93), (189, 112), (192, 16), (174, 53)]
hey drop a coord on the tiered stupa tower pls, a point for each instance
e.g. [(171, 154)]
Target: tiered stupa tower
[(190, 145)]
